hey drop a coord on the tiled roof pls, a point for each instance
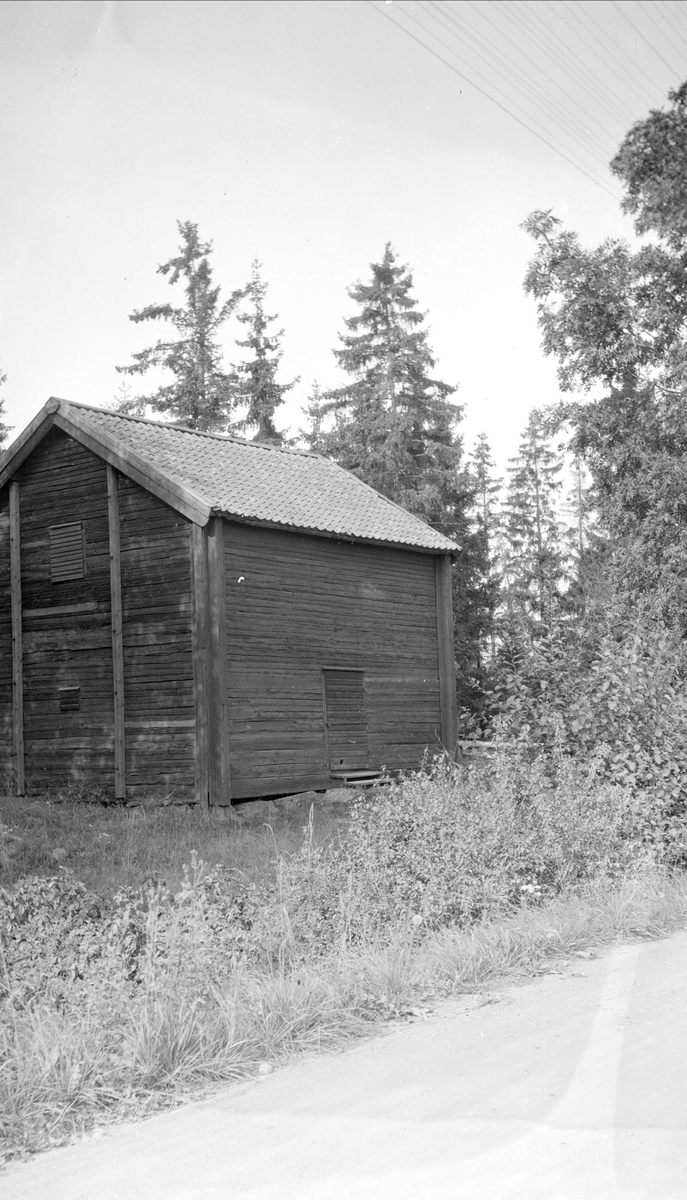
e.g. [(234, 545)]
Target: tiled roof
[(256, 482)]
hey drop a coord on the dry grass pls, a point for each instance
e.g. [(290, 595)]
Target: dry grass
[(119, 1057), (110, 847), (116, 1047)]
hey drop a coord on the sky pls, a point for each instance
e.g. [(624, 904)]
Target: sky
[(307, 136)]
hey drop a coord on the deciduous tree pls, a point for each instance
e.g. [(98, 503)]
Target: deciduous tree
[(615, 318)]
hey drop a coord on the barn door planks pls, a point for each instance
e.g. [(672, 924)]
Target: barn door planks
[(346, 718)]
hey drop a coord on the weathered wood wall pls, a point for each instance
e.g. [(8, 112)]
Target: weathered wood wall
[(158, 658), (6, 765), (66, 625), (67, 634), (296, 604)]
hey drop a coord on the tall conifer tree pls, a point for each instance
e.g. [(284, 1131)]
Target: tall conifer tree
[(395, 425), (315, 411), (201, 394), (4, 429), (487, 490), (535, 556), (257, 388)]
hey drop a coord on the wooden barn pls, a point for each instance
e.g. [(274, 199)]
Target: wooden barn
[(198, 617)]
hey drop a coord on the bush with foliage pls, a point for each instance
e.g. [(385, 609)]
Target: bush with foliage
[(444, 846), (451, 846), (108, 1005), (59, 943), (616, 697)]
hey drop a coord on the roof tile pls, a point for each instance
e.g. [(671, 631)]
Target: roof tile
[(257, 482)]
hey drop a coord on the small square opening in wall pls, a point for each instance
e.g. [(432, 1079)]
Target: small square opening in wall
[(70, 699), (67, 552)]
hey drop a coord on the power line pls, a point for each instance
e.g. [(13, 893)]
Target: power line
[(538, 96), (667, 17), (571, 62), (511, 57), (662, 22), (670, 11), (541, 94), (639, 33), (594, 28), (489, 96)]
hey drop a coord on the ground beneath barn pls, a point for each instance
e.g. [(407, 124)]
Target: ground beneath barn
[(572, 1086)]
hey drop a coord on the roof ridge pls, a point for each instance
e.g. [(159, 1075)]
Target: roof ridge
[(206, 433)]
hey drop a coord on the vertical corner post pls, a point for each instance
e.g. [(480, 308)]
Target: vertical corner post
[(447, 658), (200, 622), (17, 642), (219, 748), (117, 638)]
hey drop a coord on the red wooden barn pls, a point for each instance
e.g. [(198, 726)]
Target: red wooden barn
[(194, 616)]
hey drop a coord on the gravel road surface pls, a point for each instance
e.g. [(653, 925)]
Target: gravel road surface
[(569, 1087)]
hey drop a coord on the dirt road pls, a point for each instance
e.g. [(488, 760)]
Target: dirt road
[(572, 1087)]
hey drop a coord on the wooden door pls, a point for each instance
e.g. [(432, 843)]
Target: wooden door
[(346, 720)]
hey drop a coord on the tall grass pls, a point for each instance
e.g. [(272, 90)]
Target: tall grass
[(122, 994), (124, 1052), (109, 847)]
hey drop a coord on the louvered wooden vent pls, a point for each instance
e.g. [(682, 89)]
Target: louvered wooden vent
[(70, 699), (67, 552)]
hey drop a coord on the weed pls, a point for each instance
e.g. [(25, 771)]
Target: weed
[(135, 973)]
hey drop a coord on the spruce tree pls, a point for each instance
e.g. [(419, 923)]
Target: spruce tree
[(586, 545), (257, 389), (4, 429), (487, 490), (201, 394), (314, 411), (124, 399), (393, 424), (534, 565)]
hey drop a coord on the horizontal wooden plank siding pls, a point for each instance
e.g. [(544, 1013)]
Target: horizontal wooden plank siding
[(297, 604), (155, 568), (67, 630), (6, 732), (66, 621), (346, 719)]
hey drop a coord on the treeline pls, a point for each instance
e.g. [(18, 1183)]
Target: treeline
[(605, 677), (524, 544), (570, 601)]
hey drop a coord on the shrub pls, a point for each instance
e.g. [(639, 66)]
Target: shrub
[(450, 846), (617, 701), (108, 1003), (60, 944)]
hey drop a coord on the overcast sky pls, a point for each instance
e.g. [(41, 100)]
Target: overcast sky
[(307, 135)]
